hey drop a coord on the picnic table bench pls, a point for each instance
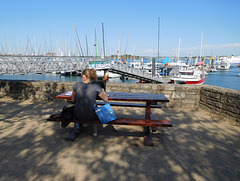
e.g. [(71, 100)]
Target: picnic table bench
[(125, 98)]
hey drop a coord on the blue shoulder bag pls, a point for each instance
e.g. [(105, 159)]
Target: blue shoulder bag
[(105, 113)]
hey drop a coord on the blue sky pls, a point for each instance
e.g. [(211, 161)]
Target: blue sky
[(129, 26)]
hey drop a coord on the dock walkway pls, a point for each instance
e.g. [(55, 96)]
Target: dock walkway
[(197, 147)]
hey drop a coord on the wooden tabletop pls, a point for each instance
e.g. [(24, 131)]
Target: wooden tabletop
[(123, 96)]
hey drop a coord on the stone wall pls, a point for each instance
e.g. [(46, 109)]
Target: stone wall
[(225, 102), (34, 90), (220, 101), (180, 96)]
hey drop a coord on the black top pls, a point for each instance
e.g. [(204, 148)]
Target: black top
[(86, 95)]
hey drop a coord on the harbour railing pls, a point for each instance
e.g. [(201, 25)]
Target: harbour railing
[(141, 74), (40, 64), (24, 64)]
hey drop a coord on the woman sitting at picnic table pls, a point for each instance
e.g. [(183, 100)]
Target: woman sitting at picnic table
[(84, 96)]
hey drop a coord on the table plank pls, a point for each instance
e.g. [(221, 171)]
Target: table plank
[(122, 96)]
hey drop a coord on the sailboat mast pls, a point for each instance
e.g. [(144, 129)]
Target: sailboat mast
[(179, 46), (6, 47), (201, 47), (50, 39), (79, 42), (119, 44), (3, 51), (87, 45), (103, 42), (158, 34), (95, 42), (119, 50), (26, 46)]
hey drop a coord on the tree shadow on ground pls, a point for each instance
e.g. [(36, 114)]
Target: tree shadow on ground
[(197, 147)]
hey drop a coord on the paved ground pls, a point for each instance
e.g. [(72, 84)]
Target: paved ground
[(197, 147)]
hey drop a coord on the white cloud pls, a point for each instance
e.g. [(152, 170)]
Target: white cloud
[(212, 50), (233, 45)]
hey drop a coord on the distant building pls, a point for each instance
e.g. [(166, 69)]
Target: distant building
[(50, 54)]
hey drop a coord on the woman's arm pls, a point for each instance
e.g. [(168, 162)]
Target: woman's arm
[(103, 96), (73, 97)]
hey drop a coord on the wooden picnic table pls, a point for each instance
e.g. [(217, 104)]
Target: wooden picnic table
[(150, 100)]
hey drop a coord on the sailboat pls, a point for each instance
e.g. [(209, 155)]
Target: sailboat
[(188, 75)]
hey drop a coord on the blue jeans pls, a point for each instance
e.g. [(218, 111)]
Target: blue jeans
[(76, 127)]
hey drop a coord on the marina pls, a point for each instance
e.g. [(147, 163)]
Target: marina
[(218, 71), (226, 79)]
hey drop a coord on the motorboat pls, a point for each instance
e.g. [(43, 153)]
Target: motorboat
[(212, 69), (224, 66), (233, 60), (189, 76), (100, 73), (113, 75), (63, 73)]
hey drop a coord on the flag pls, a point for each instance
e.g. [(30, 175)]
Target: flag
[(201, 62)]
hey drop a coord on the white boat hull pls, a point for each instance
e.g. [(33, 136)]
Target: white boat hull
[(100, 73), (187, 81), (113, 75), (189, 76)]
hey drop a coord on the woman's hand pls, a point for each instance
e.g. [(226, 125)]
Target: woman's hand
[(103, 95), (73, 97)]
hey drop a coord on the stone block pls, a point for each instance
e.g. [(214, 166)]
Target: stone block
[(146, 86), (233, 93), (181, 95), (154, 87), (164, 92), (155, 92), (136, 91), (230, 108), (112, 89), (169, 87), (223, 99), (186, 87), (189, 101), (230, 100), (193, 92), (213, 95), (161, 87), (125, 89), (214, 103), (192, 96), (214, 89)]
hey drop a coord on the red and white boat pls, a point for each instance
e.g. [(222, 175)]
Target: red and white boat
[(189, 76)]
